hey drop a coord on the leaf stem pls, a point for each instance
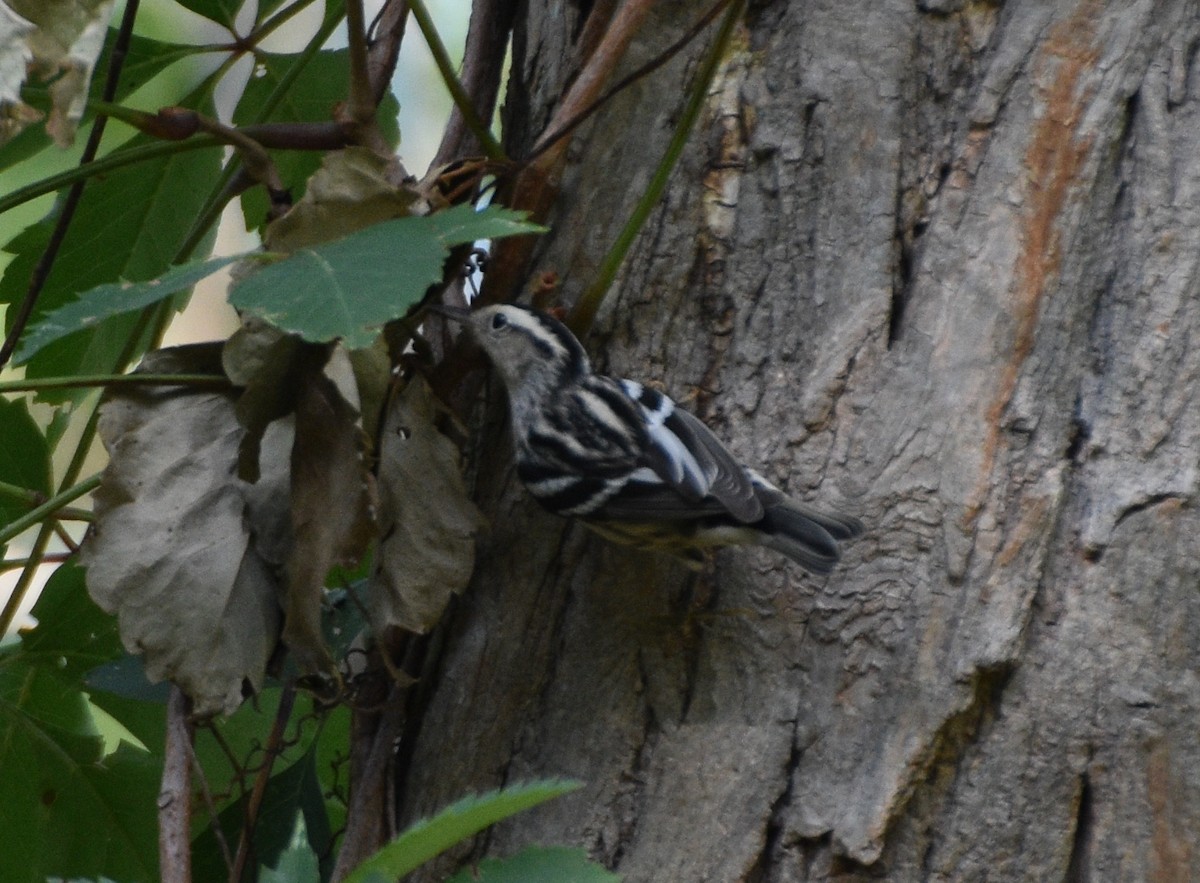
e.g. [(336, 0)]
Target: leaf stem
[(113, 161), (42, 512)]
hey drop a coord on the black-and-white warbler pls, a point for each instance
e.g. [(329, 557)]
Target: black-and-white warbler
[(624, 459)]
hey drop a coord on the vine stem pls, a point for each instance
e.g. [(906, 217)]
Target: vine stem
[(34, 516), (83, 380)]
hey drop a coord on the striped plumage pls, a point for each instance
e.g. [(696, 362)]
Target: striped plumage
[(624, 459)]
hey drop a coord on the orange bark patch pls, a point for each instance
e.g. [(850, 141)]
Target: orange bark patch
[(1057, 151)]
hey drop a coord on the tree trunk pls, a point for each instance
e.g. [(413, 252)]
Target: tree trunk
[(934, 264)]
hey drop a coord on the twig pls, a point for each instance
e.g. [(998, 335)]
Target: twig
[(598, 69), (278, 20), (175, 795), (180, 123), (41, 272), (116, 160), (360, 103), (594, 28), (589, 302), (287, 699), (36, 498), (51, 558), (535, 187), (221, 192), (33, 516), (211, 805)]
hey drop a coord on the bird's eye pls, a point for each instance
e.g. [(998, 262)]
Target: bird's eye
[(499, 321)]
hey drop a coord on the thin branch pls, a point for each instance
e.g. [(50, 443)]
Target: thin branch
[(221, 193), (78, 459), (589, 302), (41, 272), (387, 33), (360, 102), (462, 100), (535, 187), (36, 498), (175, 795), (598, 69), (278, 20), (211, 805), (594, 28), (546, 141), (14, 563), (180, 123), (482, 67)]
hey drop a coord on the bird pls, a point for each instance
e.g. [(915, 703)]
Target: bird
[(627, 461)]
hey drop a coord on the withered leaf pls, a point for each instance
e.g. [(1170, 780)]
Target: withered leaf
[(265, 361), (353, 189), (428, 522), (173, 551), (333, 511)]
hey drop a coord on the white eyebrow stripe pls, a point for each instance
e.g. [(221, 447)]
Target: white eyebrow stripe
[(532, 325)]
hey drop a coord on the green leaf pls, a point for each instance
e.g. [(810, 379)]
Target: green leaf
[(129, 225), (65, 808), (24, 458), (538, 864), (351, 287), (455, 823), (145, 721), (297, 863), (291, 792), (114, 299), (73, 635)]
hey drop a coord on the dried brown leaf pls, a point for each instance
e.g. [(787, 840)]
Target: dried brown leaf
[(333, 511), (428, 522), (173, 553), (353, 189)]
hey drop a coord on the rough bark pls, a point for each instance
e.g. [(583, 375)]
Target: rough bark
[(933, 263)]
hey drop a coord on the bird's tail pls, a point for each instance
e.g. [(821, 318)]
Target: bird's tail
[(808, 537)]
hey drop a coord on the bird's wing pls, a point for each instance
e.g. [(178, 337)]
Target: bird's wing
[(686, 470)]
